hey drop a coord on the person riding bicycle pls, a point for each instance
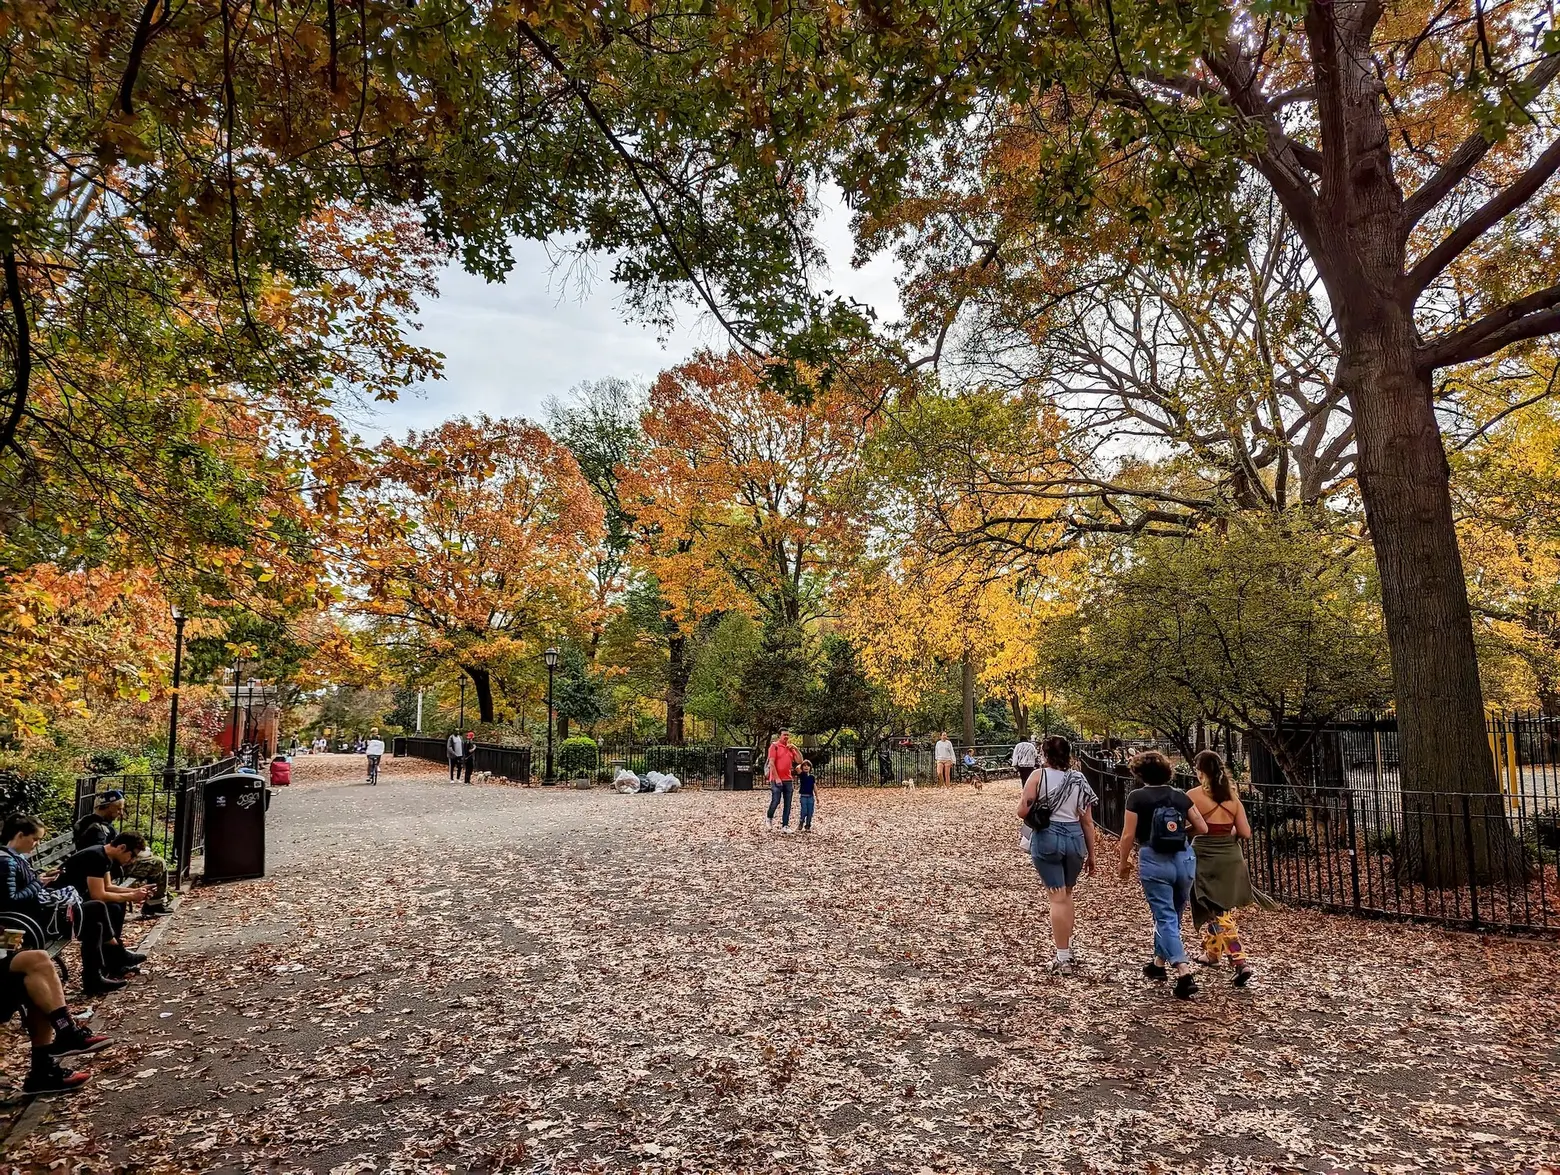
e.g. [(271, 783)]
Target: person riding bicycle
[(375, 748)]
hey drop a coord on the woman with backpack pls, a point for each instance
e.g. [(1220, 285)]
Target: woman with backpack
[(1159, 823), (1223, 883), (1056, 808)]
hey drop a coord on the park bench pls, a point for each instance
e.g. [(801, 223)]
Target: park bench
[(987, 768), (46, 859)]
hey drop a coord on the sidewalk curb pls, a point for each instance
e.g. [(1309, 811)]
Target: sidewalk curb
[(36, 1112)]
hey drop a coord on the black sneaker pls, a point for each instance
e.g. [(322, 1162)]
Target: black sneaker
[(128, 959), (1154, 971), (1243, 975), (101, 985), (1186, 986), (46, 1077), (75, 1042), (154, 910)]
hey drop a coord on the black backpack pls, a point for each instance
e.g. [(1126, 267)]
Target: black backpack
[(1167, 830)]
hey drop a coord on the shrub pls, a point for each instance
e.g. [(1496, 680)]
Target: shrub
[(577, 754), (1383, 841)]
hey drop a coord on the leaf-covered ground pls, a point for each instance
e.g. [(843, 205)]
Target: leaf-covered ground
[(456, 978)]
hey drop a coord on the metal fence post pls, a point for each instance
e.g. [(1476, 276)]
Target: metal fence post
[(1354, 858), (1473, 885)]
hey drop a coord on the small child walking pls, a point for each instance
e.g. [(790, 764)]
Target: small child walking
[(807, 792)]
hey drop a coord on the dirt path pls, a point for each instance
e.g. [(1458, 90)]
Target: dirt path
[(440, 977)]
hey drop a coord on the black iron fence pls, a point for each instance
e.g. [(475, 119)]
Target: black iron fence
[(1484, 860), (507, 762), (892, 764)]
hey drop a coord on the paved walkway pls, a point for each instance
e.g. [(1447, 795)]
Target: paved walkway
[(440, 977)]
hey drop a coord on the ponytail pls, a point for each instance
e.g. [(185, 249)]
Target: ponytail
[(1215, 776)]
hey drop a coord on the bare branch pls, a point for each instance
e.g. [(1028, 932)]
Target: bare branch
[(1527, 318), (1470, 152), (1484, 218)]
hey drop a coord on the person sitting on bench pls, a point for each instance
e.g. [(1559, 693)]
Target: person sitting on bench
[(105, 961), (98, 828), (30, 985)]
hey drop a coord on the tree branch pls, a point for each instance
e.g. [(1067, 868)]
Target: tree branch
[(1484, 218), (21, 381), (1526, 318), (1469, 153), (594, 113), (143, 34)]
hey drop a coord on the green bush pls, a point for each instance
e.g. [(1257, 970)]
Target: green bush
[(577, 754)]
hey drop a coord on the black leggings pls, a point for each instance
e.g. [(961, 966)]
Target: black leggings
[(101, 922)]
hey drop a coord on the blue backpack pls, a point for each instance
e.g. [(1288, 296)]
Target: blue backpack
[(1167, 830)]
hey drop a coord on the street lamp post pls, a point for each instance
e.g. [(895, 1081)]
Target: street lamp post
[(551, 657), (173, 707), (462, 705)]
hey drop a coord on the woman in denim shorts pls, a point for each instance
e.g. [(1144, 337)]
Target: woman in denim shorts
[(1066, 846)]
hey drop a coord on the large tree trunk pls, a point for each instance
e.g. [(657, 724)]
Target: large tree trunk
[(676, 687), (969, 701), (1405, 483), (484, 686)]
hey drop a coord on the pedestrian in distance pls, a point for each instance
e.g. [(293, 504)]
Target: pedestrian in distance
[(1024, 757), (942, 754), (375, 751), (1159, 823), (780, 764), (455, 750), (807, 795), (1223, 883), (469, 757), (1057, 806)]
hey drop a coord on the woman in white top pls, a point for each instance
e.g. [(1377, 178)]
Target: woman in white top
[(1065, 847), (1024, 758), (943, 755)]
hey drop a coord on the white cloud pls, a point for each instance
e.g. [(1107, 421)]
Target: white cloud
[(509, 347)]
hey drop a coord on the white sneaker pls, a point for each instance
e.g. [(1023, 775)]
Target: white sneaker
[(786, 829), (769, 823), (1063, 966)]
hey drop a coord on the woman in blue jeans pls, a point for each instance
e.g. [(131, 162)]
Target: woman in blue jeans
[(1160, 822), (1066, 846)]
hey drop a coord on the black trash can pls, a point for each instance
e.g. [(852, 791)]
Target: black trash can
[(739, 769), (235, 827)]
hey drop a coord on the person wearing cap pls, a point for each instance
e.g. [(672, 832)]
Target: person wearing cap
[(99, 827)]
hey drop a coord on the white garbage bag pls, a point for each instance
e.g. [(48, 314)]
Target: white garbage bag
[(661, 782), (625, 781)]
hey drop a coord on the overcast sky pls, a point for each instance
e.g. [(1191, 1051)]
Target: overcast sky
[(508, 348)]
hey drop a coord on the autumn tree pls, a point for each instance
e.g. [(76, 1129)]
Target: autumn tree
[(475, 544), (740, 499)]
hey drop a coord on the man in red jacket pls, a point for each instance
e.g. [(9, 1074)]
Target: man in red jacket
[(780, 770)]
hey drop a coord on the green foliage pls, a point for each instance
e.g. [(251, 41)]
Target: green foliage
[(778, 682), (721, 661), (1260, 620), (577, 754)]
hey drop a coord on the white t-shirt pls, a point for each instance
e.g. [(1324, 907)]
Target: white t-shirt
[(1025, 755), (943, 751), (376, 746), (1066, 793)]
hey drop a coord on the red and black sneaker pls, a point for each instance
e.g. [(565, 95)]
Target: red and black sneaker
[(77, 1042), (46, 1077)]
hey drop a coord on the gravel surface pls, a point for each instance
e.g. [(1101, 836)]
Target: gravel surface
[(447, 977)]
